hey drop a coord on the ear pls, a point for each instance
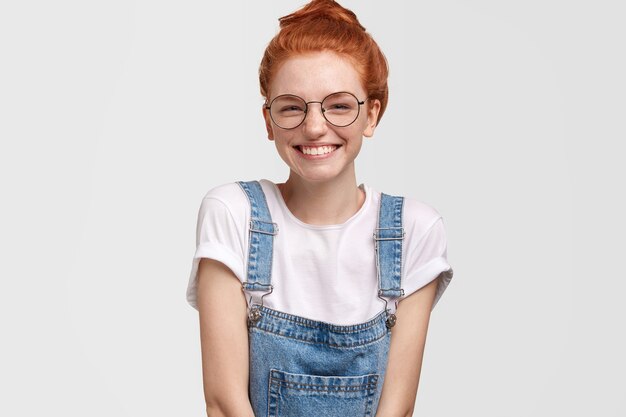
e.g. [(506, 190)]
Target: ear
[(268, 123), (373, 109)]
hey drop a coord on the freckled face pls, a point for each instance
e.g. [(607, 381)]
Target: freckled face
[(317, 151)]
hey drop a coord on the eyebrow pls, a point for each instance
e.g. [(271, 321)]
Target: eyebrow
[(320, 99)]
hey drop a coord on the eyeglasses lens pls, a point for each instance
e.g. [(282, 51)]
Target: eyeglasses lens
[(339, 109)]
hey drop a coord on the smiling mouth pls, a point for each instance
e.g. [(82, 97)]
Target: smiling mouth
[(317, 150)]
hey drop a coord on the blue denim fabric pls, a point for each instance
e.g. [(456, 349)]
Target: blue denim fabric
[(304, 367), (261, 241), (388, 237)]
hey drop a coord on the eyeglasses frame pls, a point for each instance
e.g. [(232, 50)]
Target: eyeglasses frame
[(306, 109)]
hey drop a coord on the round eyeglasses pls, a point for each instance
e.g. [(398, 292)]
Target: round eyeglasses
[(340, 109)]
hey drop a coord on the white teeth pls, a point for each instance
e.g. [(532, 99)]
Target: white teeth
[(319, 150)]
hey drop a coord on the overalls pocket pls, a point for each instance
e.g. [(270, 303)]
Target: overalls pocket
[(293, 395)]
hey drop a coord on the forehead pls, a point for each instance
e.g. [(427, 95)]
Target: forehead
[(314, 75)]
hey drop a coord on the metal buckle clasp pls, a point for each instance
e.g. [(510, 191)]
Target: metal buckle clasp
[(254, 311), (391, 319)]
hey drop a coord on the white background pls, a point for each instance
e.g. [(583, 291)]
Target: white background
[(117, 116)]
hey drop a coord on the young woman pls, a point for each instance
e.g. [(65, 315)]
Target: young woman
[(315, 294)]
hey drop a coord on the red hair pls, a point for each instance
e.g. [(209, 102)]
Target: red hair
[(325, 25)]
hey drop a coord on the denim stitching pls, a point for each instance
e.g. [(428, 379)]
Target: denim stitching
[(313, 324), (388, 243), (311, 342), (329, 388), (260, 241)]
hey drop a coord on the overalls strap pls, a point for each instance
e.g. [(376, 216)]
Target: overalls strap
[(388, 238), (261, 239)]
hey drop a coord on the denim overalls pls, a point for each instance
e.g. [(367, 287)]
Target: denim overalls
[(301, 367)]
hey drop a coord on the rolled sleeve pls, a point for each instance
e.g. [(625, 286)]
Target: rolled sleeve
[(218, 238), (426, 260)]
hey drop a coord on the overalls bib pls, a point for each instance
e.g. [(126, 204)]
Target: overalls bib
[(301, 367)]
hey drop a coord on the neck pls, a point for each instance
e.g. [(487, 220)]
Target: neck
[(321, 203)]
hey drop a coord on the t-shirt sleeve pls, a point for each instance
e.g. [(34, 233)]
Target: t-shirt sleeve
[(426, 260), (219, 237)]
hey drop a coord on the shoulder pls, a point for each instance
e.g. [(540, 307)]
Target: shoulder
[(232, 198), (228, 194), (232, 194), (419, 216), (226, 199)]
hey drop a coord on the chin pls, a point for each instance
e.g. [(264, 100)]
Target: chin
[(320, 176)]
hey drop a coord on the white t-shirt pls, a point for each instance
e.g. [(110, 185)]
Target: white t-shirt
[(321, 272)]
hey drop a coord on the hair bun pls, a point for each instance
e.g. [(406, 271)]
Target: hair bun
[(321, 10)]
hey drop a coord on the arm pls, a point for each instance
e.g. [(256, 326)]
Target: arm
[(406, 350), (224, 340)]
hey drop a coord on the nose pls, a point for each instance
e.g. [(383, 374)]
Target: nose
[(314, 123)]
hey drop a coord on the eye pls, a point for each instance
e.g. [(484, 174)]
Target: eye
[(340, 103), (290, 108), (288, 105), (340, 106)]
